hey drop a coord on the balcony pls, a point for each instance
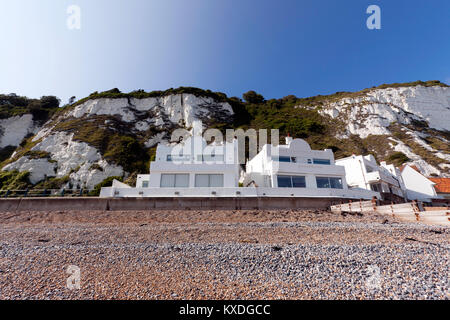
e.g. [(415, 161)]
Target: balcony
[(190, 167), (303, 168), (380, 176)]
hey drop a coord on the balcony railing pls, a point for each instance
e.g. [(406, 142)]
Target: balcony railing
[(35, 193)]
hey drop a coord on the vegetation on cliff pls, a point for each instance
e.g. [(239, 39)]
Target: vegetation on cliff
[(42, 109), (121, 144)]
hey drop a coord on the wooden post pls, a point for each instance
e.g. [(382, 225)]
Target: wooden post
[(374, 203), (415, 209), (392, 208)]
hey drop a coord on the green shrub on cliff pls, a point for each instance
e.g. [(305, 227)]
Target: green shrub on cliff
[(105, 183), (14, 180), (42, 109)]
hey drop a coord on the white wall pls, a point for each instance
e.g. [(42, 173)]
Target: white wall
[(233, 192), (417, 186), (263, 170)]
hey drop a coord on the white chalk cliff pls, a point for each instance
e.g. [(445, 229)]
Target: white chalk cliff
[(84, 163), (372, 113), (151, 120), (13, 130)]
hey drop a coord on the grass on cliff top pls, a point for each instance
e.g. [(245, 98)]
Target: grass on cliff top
[(42, 109), (321, 99), (222, 97), (141, 94)]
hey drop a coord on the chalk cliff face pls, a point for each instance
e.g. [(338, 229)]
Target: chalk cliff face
[(116, 134), (408, 116), (377, 109), (74, 144), (13, 130)]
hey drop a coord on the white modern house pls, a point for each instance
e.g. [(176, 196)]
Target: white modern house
[(193, 164), (364, 172), (189, 168), (294, 165), (418, 187), (195, 169)]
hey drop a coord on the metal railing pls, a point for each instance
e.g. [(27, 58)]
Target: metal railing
[(34, 193)]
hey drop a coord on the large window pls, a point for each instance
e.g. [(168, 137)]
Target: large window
[(322, 161), (282, 159), (327, 182), (174, 180), (209, 180), (291, 182)]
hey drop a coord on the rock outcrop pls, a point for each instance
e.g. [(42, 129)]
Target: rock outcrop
[(115, 135)]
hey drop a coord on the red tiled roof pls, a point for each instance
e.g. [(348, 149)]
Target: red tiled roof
[(442, 184)]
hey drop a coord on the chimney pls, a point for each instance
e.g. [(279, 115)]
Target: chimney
[(288, 139)]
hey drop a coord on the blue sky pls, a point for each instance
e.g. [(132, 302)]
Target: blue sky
[(276, 48)]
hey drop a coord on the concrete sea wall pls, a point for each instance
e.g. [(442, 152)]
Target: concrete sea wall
[(166, 203)]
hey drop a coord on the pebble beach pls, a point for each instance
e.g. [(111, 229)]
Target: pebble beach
[(247, 254)]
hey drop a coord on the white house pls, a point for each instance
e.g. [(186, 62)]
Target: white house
[(296, 169), (193, 164), (364, 172), (195, 169), (418, 187)]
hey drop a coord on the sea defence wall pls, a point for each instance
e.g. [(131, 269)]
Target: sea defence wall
[(166, 203)]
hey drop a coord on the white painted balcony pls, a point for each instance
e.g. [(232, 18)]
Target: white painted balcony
[(302, 168), (379, 176)]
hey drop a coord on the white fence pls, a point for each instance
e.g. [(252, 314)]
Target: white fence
[(356, 206), (409, 212)]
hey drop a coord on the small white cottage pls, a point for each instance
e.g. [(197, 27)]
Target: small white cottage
[(418, 187), (364, 172)]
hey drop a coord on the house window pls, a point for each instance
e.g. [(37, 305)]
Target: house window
[(282, 159), (174, 180), (179, 157), (209, 180), (329, 183), (291, 182), (144, 184), (310, 161), (375, 187), (284, 182), (322, 161), (298, 182)]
